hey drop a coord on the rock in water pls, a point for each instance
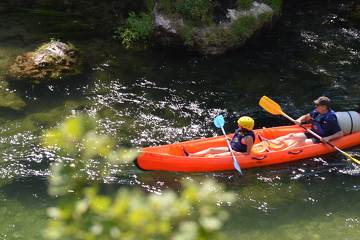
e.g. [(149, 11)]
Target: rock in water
[(209, 37), (51, 61)]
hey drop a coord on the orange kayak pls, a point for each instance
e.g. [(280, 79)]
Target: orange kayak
[(172, 157)]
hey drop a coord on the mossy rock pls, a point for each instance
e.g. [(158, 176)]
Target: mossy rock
[(202, 33), (52, 61), (214, 40)]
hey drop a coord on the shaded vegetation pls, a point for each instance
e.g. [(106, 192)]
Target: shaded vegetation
[(194, 23), (266, 17), (216, 36), (244, 4), (132, 22), (276, 5), (138, 28), (195, 10), (245, 26)]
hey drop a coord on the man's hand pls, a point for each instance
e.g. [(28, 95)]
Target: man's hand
[(303, 119), (297, 122), (325, 139)]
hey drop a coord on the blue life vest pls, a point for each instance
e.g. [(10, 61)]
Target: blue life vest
[(324, 124), (237, 143)]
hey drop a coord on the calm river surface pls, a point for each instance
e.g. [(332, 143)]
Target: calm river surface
[(161, 96)]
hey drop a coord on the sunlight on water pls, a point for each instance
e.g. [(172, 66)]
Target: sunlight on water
[(157, 114), (151, 98)]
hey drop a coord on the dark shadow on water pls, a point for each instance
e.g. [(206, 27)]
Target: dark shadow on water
[(29, 191)]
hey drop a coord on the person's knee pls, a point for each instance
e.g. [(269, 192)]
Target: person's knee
[(285, 137), (300, 135)]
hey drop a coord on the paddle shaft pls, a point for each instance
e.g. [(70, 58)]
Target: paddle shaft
[(309, 130), (231, 150), (320, 138)]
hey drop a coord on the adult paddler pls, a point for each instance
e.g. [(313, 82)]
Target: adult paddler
[(323, 122)]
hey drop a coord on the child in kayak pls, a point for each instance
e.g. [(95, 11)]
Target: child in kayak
[(242, 141)]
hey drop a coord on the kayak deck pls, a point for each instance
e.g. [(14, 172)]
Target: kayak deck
[(172, 157)]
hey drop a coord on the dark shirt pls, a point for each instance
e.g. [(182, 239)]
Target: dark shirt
[(324, 124)]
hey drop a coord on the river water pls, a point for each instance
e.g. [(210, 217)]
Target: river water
[(160, 96)]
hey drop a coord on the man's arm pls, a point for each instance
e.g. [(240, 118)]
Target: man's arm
[(334, 136), (303, 119)]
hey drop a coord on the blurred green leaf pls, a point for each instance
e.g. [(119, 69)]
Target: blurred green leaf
[(85, 214)]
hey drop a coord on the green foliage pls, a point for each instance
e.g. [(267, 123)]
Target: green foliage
[(195, 10), (90, 154), (245, 26), (127, 37), (84, 213), (217, 36), (276, 5), (138, 28), (187, 33), (167, 6), (244, 4), (150, 4), (133, 215), (266, 17)]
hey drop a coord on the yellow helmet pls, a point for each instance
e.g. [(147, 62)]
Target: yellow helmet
[(246, 122)]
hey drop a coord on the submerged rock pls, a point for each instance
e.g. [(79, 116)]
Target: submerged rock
[(9, 98), (208, 37), (51, 61)]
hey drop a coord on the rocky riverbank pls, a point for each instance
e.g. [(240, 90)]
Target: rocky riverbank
[(208, 31), (208, 27)]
